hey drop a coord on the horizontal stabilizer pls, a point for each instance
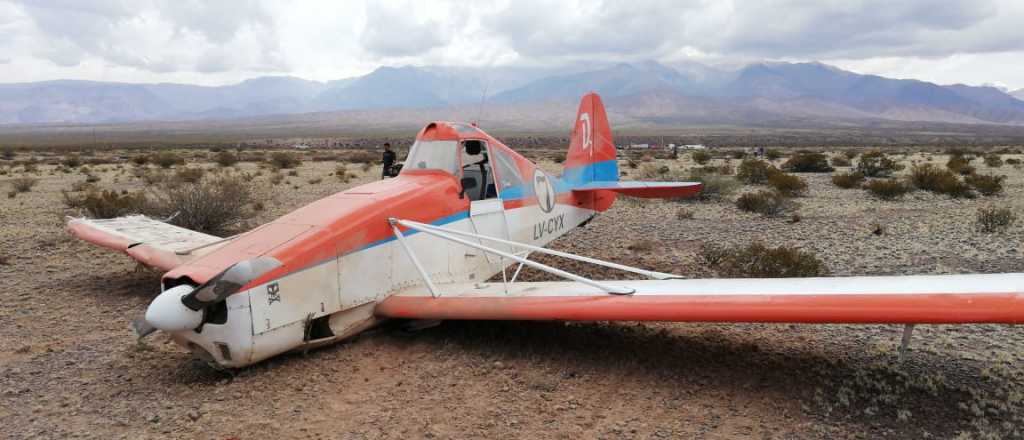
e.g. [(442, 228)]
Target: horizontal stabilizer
[(651, 190), (932, 299), (151, 242)]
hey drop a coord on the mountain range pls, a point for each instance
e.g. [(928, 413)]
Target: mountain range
[(646, 92)]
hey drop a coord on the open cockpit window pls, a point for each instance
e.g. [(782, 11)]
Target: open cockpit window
[(476, 165), (433, 155)]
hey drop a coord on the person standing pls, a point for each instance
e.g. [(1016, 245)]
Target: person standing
[(389, 161)]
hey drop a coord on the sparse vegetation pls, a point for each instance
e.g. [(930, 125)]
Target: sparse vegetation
[(189, 174), (876, 164), (848, 180), (931, 178), (759, 261), (167, 159), (701, 156), (107, 204), (714, 186), (768, 203), (71, 161), (887, 189), (212, 205), (985, 184), (773, 154), (787, 184), (684, 214), (993, 160), (841, 161), (754, 172), (140, 159), (807, 162), (7, 153), (991, 219), (960, 165), (23, 184), (226, 158), (283, 160)]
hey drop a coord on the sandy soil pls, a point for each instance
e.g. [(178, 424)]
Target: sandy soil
[(70, 367)]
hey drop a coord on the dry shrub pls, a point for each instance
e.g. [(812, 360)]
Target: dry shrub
[(226, 158), (213, 205), (107, 204), (71, 161), (848, 180), (787, 184), (283, 160), (876, 164), (701, 157), (737, 154), (325, 157), (993, 160), (293, 173), (960, 165), (1013, 161), (276, 178), (754, 172), (887, 189), (23, 184), (767, 203), (851, 154), (992, 219), (773, 154), (189, 175), (931, 178), (725, 169), (7, 153), (364, 157), (684, 214), (841, 161), (91, 178), (759, 261), (642, 246), (986, 185), (806, 162), (713, 185), (167, 159), (315, 180), (140, 159)]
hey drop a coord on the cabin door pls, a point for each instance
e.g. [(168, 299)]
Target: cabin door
[(486, 209)]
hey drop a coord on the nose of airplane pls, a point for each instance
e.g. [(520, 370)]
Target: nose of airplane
[(169, 314)]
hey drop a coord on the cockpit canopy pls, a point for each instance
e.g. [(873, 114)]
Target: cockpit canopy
[(433, 155)]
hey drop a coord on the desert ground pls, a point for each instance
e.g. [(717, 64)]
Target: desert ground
[(70, 366)]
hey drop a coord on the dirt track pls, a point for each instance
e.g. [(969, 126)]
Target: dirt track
[(69, 366)]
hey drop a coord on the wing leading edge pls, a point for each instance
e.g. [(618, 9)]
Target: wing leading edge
[(933, 299)]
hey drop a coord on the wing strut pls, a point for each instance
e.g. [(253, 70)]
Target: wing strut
[(449, 234)]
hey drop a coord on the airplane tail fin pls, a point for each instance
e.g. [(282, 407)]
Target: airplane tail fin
[(591, 168), (591, 156)]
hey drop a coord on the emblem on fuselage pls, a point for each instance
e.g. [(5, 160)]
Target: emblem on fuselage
[(544, 190), (273, 293)]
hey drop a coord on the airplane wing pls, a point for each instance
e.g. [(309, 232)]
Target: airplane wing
[(151, 242), (933, 299), (655, 190)]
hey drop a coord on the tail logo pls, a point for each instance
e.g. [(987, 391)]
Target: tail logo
[(544, 191), (587, 139)]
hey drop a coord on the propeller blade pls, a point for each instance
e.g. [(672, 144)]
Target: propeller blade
[(142, 328)]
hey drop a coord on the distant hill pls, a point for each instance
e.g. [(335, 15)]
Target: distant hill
[(1019, 94), (647, 92)]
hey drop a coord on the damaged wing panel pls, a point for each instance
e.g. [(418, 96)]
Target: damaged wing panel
[(151, 242)]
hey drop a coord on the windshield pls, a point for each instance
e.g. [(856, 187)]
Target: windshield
[(432, 155)]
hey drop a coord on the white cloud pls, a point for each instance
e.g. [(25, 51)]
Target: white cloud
[(212, 42)]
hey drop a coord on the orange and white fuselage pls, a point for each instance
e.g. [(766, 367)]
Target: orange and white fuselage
[(335, 267)]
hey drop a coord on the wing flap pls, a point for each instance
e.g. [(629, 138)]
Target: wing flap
[(940, 299), (151, 242), (655, 190)]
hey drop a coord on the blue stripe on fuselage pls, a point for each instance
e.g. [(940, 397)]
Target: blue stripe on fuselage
[(571, 178)]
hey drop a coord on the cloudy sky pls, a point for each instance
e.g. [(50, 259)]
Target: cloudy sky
[(218, 42)]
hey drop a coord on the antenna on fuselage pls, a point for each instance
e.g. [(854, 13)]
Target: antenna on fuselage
[(483, 99)]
